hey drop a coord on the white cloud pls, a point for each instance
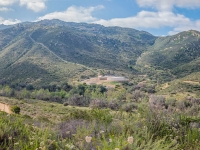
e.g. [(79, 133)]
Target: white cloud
[(7, 2), (74, 14), (193, 25), (35, 5), (9, 21), (143, 20), (5, 9), (147, 19), (177, 21), (169, 4)]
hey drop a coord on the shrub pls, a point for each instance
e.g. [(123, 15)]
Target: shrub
[(182, 104), (79, 114), (194, 110), (137, 95), (65, 103), (23, 94), (7, 91), (15, 109), (55, 99), (67, 128), (77, 100), (29, 87), (113, 105), (128, 107), (97, 103), (171, 102), (157, 125), (157, 101), (194, 101)]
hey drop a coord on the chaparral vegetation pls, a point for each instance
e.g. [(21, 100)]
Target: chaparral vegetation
[(50, 98)]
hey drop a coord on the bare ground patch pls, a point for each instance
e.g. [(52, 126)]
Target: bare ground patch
[(106, 83), (5, 108), (191, 82)]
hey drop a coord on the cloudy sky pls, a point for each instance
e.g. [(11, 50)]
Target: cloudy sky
[(159, 17)]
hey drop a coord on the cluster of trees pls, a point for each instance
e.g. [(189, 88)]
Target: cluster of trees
[(124, 96), (53, 92)]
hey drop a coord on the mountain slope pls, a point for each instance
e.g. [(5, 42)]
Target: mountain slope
[(93, 45), (60, 51), (29, 62), (52, 51), (178, 54)]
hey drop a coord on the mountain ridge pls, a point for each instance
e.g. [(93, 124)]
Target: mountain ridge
[(53, 44)]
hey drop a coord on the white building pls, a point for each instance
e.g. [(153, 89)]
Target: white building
[(113, 78)]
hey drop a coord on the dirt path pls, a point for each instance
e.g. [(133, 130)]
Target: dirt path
[(191, 82), (5, 108)]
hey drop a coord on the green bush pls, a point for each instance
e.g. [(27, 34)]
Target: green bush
[(15, 109), (97, 103), (77, 100), (171, 102), (128, 107), (65, 104)]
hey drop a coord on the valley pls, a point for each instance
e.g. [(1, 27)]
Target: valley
[(79, 86)]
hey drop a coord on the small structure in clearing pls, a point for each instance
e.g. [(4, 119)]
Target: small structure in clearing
[(113, 78), (106, 80)]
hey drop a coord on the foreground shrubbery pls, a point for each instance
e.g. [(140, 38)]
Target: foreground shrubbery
[(95, 133), (115, 119), (102, 129), (16, 135)]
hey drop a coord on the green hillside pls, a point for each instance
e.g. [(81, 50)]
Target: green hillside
[(52, 51), (93, 45), (22, 60), (176, 56), (45, 103), (183, 87), (60, 51)]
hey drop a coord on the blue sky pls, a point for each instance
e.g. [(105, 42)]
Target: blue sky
[(159, 17)]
